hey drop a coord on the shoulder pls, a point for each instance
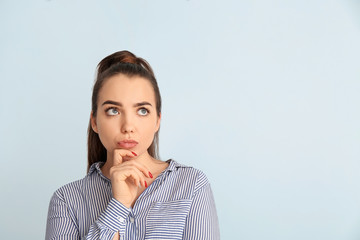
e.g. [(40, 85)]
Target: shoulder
[(76, 189), (71, 190)]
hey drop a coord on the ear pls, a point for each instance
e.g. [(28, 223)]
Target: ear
[(93, 122), (158, 122)]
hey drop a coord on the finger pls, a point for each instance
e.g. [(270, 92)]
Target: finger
[(120, 154), (138, 176), (128, 173), (138, 180), (144, 170)]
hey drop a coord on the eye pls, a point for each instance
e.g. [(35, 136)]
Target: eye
[(112, 111), (143, 112)]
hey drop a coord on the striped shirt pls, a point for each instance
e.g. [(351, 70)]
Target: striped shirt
[(179, 204)]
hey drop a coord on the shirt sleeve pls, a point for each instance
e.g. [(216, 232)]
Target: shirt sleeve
[(202, 221), (62, 221)]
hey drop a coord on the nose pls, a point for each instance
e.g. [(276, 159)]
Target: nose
[(127, 125)]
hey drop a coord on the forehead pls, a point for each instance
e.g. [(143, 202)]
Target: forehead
[(127, 89)]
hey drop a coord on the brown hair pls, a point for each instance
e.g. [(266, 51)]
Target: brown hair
[(123, 62)]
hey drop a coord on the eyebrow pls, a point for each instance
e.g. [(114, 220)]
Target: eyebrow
[(120, 104)]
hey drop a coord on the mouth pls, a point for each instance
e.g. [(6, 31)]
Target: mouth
[(127, 144)]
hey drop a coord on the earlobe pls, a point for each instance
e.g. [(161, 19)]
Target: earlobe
[(93, 122), (158, 122)]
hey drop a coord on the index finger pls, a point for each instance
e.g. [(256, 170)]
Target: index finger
[(119, 154)]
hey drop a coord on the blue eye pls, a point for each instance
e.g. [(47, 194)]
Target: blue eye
[(143, 112), (112, 111)]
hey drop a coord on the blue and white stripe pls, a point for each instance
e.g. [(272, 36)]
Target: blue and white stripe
[(179, 204)]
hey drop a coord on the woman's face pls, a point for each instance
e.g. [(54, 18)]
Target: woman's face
[(126, 112)]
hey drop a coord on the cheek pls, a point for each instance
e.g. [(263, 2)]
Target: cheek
[(152, 129), (147, 130), (107, 134)]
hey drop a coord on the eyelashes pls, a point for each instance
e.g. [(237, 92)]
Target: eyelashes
[(113, 111)]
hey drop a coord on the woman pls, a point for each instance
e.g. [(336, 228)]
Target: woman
[(128, 193)]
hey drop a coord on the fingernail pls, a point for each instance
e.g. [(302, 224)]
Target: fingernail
[(150, 175), (145, 184), (134, 153)]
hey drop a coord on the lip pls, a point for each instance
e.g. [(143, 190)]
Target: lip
[(127, 144)]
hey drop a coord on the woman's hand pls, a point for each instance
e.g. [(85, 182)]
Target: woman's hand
[(127, 176)]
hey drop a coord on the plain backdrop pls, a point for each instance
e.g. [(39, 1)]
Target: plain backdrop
[(262, 95)]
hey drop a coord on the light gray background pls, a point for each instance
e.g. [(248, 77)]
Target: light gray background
[(262, 95)]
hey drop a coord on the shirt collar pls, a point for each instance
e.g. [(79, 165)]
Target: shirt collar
[(173, 165), (96, 167)]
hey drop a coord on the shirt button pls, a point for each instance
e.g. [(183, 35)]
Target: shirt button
[(121, 219), (132, 219)]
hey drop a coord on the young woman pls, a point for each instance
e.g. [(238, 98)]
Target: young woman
[(128, 192)]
